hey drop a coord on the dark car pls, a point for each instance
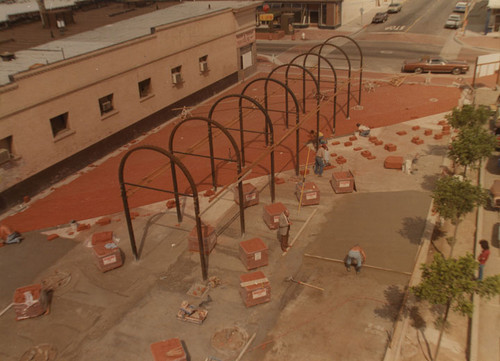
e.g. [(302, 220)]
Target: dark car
[(394, 8), (380, 17), (435, 64)]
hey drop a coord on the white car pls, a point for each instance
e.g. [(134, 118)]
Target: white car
[(454, 21), (460, 7), (394, 8)]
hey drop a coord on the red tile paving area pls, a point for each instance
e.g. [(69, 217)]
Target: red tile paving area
[(96, 192)]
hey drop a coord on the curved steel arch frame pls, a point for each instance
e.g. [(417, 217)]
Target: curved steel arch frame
[(295, 101), (320, 46), (360, 59), (210, 123), (268, 129), (316, 83), (305, 55), (173, 160)]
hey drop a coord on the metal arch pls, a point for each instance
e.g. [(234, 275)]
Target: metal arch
[(316, 83), (349, 71), (173, 159), (295, 101), (305, 55), (268, 128), (360, 60), (210, 124)]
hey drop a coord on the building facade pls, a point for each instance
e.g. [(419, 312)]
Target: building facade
[(67, 102)]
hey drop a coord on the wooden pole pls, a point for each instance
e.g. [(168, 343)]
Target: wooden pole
[(365, 265), (246, 347)]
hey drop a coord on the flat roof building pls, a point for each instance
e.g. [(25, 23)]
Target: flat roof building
[(74, 97)]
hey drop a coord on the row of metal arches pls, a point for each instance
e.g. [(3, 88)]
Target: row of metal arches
[(177, 164)]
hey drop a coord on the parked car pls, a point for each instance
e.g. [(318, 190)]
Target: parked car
[(380, 17), (460, 7), (394, 8), (454, 21), (495, 193), (435, 64)]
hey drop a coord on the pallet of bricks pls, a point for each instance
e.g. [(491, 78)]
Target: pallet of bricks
[(255, 288), (30, 301)]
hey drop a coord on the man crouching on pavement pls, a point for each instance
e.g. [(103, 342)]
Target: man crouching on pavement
[(356, 254)]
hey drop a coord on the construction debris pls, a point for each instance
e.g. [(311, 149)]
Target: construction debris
[(190, 313)]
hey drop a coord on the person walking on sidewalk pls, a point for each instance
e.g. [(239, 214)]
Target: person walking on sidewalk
[(284, 229), (483, 257), (356, 254), (319, 162)]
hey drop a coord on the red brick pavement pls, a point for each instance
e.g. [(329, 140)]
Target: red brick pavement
[(95, 192)]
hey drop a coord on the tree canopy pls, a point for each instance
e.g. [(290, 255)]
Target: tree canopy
[(472, 144), (468, 115), (454, 198), (451, 282)]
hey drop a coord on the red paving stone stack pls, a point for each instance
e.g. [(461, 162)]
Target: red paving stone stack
[(343, 182), (401, 132), (393, 162), (209, 238), (415, 127), (108, 256), (102, 237), (255, 288), (390, 147), (340, 160), (366, 153), (168, 350), (352, 138), (336, 142), (428, 132), (417, 140), (347, 144), (271, 214), (310, 193), (438, 136), (30, 301), (250, 195), (254, 253)]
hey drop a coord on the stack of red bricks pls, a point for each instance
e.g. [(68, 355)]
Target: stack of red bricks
[(107, 254), (168, 350), (307, 193), (417, 140), (30, 301), (255, 288), (375, 140), (209, 239), (254, 253), (271, 214), (250, 195)]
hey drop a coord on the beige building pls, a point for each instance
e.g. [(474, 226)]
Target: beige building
[(63, 104)]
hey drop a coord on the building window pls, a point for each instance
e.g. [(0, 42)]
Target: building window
[(176, 75), (59, 124), (5, 149), (203, 64), (145, 88), (106, 104)]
